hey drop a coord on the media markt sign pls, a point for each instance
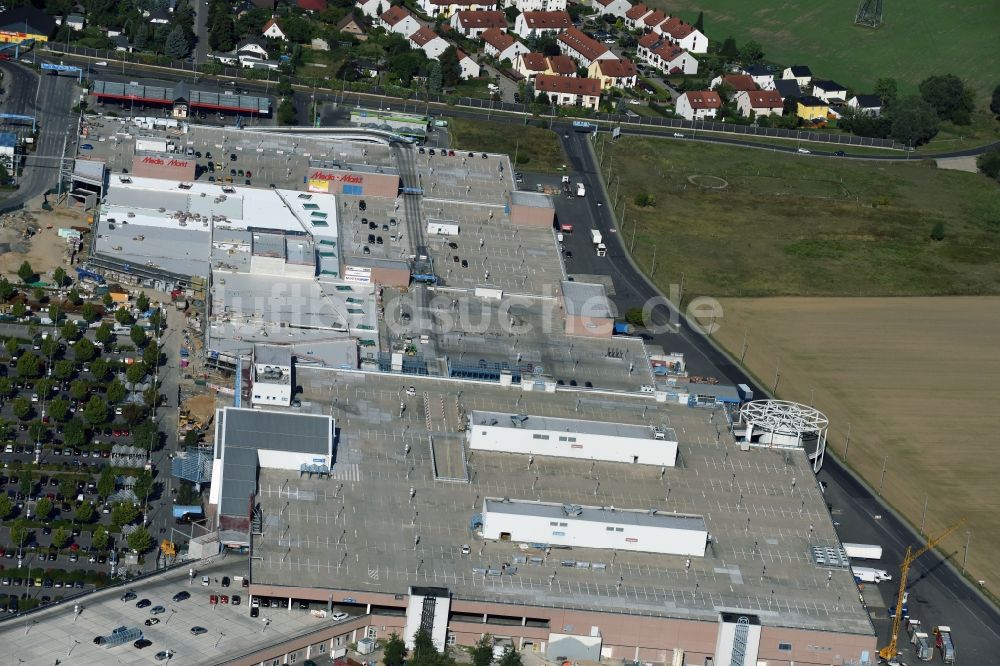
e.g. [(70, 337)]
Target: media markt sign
[(351, 178), (159, 161)]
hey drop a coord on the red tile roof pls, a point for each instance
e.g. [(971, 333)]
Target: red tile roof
[(501, 41), (394, 15), (765, 99), (547, 20), (649, 40), (739, 82), (534, 62), (654, 19), (618, 69), (668, 51), (562, 65), (637, 11), (422, 37), (703, 99), (567, 85), (676, 28), (586, 46), (480, 19)]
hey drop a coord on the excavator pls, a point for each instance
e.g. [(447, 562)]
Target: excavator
[(889, 652)]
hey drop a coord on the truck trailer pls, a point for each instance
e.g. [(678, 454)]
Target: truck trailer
[(943, 642), (863, 551), (595, 235), (581, 190), (869, 575)]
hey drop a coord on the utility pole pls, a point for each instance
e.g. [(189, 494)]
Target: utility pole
[(923, 515), (777, 375), (61, 161), (743, 349), (847, 444), (881, 479), (652, 270), (965, 557)]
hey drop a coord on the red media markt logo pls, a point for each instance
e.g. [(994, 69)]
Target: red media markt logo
[(159, 161), (339, 178)]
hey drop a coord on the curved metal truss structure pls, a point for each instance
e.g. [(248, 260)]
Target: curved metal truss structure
[(779, 424)]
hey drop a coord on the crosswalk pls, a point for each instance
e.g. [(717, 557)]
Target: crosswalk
[(345, 472)]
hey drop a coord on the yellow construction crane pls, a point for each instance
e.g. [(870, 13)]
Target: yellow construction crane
[(889, 652)]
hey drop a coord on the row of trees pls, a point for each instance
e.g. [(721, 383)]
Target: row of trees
[(424, 653)]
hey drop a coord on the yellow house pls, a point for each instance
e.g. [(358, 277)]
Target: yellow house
[(811, 108), (613, 73)]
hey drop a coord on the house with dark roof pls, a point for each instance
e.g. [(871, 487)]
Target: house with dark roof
[(349, 25), (811, 108), (788, 88), (761, 75), (870, 105), (801, 74), (569, 90), (829, 91)]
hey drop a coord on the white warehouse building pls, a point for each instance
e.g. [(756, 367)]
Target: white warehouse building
[(571, 438), (606, 528)]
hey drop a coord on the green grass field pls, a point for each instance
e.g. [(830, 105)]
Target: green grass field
[(788, 224), (536, 149), (919, 38)]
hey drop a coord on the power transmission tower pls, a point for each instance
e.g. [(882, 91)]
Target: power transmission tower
[(869, 13)]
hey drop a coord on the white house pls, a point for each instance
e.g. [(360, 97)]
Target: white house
[(75, 21), (474, 24), (761, 75), (537, 5), (828, 91), (870, 105), (274, 31), (585, 50), (698, 105), (801, 73), (501, 46), (372, 8), (759, 103), (446, 8), (613, 7), (469, 68), (399, 20), (252, 46), (429, 42), (660, 53), (683, 35), (635, 16), (569, 90), (536, 24)]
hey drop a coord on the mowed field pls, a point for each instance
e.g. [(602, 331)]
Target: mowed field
[(914, 378), (797, 225), (919, 38), (536, 149)]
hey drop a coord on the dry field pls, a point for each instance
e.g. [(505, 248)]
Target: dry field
[(45, 251), (916, 379)]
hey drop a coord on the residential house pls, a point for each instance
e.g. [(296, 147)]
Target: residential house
[(870, 105), (537, 5), (560, 65), (620, 73), (829, 91), (372, 8), (157, 16), (530, 65), (536, 24), (736, 82), (585, 50), (274, 31), (635, 16), (651, 20), (801, 74), (349, 25), (684, 35), (75, 22), (445, 8), (501, 46), (473, 24), (121, 43), (612, 7), (811, 108), (788, 88), (399, 20), (218, 56), (429, 42), (698, 104), (569, 91), (761, 75), (759, 103), (659, 53), (469, 68), (252, 46)]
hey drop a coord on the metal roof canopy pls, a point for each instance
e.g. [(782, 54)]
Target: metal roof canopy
[(194, 98)]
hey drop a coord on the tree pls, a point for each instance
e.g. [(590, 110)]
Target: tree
[(96, 411), (84, 513), (139, 540), (63, 369), (142, 302), (138, 336), (7, 388), (451, 70), (19, 532), (60, 537), (6, 289), (26, 273), (67, 488), (104, 334), (728, 49), (100, 368), (699, 23), (106, 483), (143, 485), (989, 163), (222, 34), (751, 53), (394, 652), (123, 316), (74, 297), (26, 485), (287, 112), (510, 657), (107, 300), (84, 350), (29, 366), (59, 276), (11, 346), (74, 433), (43, 508), (22, 408), (635, 317), (482, 651), (994, 107), (89, 312), (6, 506), (176, 46), (887, 90), (19, 309), (135, 373), (123, 513), (937, 231), (45, 386), (145, 435), (424, 652), (38, 431), (434, 78), (69, 331), (100, 538), (914, 121), (49, 347), (59, 409), (949, 98), (55, 312), (79, 389), (116, 392), (151, 356)]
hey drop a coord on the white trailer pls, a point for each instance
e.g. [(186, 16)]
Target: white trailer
[(155, 144), (869, 575), (863, 551), (595, 235), (581, 191)]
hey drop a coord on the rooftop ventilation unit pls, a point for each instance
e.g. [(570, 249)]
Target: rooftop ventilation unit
[(572, 509)]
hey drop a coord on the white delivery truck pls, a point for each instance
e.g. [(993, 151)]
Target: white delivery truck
[(581, 191), (863, 551), (595, 236), (869, 575)]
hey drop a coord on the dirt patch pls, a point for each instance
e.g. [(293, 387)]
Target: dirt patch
[(914, 379), (44, 250)]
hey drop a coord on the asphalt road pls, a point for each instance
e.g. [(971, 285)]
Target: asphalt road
[(49, 99), (938, 594)]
